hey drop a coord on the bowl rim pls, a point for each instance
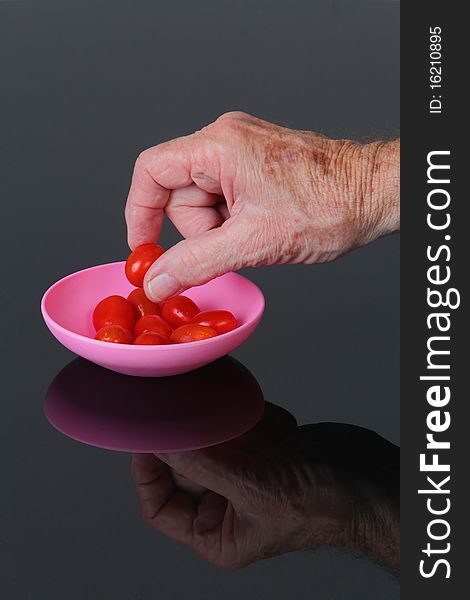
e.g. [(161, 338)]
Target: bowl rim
[(50, 322)]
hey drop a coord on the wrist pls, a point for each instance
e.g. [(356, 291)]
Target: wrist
[(380, 177), (371, 182), (376, 531), (354, 503), (364, 526)]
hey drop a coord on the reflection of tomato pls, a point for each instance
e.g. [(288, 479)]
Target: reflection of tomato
[(179, 310), (142, 305), (220, 320), (191, 333), (114, 334), (113, 310), (152, 323), (149, 338), (139, 262)]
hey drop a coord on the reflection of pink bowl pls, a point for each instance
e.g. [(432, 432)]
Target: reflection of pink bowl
[(67, 308), (208, 406)]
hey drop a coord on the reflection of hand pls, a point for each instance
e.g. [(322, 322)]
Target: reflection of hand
[(245, 192), (277, 489)]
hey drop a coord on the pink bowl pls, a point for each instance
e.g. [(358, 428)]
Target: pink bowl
[(67, 308)]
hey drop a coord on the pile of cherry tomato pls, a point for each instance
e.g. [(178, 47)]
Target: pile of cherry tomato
[(138, 320)]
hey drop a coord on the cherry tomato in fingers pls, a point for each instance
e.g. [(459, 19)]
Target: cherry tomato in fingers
[(179, 310), (152, 323), (114, 334), (142, 305), (148, 338), (139, 262), (220, 320), (192, 332), (114, 310)]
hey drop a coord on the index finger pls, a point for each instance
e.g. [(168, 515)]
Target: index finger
[(162, 504), (158, 170)]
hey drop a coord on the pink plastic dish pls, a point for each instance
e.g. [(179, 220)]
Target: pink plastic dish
[(67, 308)]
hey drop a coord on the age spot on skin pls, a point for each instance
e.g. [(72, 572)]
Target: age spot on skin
[(271, 170), (274, 151), (291, 156), (280, 152), (322, 159)]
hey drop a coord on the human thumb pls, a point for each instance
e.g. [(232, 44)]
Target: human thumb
[(195, 261)]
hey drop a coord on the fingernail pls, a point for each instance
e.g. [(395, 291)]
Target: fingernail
[(162, 286)]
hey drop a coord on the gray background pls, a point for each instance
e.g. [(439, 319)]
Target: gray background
[(85, 86)]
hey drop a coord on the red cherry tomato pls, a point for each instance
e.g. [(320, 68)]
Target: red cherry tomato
[(220, 320), (142, 305), (149, 338), (114, 334), (152, 323), (179, 310), (139, 262), (192, 332), (114, 310)]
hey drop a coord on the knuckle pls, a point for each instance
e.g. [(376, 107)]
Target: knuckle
[(232, 121), (146, 516), (148, 519), (233, 115), (144, 159)]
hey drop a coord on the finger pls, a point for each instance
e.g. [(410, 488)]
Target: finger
[(199, 259), (193, 221), (211, 511), (145, 204), (217, 469), (152, 481), (159, 170), (183, 483), (165, 507), (193, 210)]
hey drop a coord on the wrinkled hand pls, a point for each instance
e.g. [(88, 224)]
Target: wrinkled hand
[(276, 489), (245, 193)]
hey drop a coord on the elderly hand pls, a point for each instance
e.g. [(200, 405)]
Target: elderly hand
[(276, 489), (244, 192)]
